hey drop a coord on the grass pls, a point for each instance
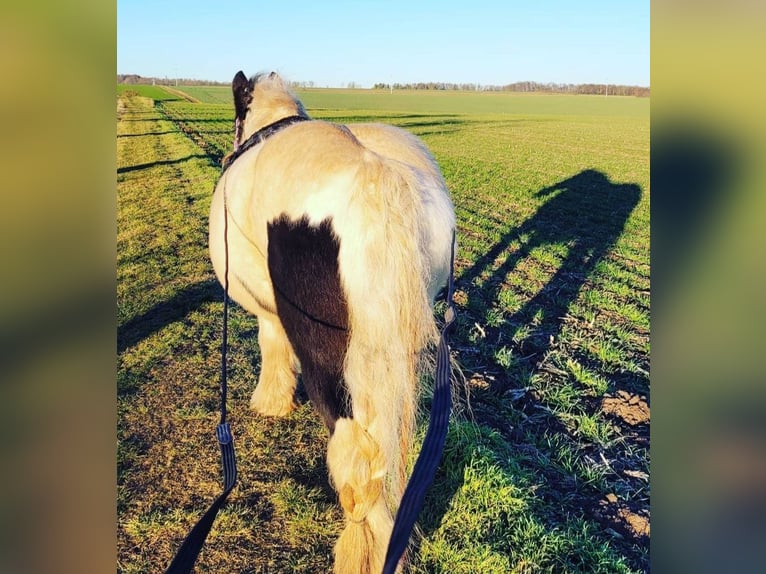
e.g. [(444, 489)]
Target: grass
[(157, 93), (454, 102), (552, 199)]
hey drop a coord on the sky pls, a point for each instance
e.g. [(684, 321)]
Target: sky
[(333, 43)]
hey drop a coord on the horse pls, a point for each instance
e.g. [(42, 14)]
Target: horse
[(337, 238)]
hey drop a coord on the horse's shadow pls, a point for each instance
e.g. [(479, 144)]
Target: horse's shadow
[(585, 212)]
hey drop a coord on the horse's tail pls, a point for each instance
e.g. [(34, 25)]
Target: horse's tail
[(384, 265)]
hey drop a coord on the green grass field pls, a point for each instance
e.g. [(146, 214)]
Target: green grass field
[(157, 93), (547, 468), (449, 101)]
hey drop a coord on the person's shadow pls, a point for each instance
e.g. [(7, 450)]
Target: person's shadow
[(585, 214)]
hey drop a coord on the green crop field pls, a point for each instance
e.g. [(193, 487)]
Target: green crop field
[(157, 93), (546, 467), (432, 102)]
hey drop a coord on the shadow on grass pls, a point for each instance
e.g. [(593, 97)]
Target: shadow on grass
[(144, 134), (431, 124), (585, 212), (141, 166), (185, 301)]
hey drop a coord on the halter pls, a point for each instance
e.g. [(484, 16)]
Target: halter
[(258, 137)]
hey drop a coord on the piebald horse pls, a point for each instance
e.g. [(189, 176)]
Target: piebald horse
[(337, 237)]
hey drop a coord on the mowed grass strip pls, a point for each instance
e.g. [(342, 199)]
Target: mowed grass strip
[(157, 93), (549, 473)]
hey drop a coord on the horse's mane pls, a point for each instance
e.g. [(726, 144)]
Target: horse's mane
[(272, 100)]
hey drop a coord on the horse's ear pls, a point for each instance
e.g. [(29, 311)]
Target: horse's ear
[(239, 83), (240, 87)]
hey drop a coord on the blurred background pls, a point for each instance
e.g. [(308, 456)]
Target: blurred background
[(57, 299), (708, 278), (57, 303)]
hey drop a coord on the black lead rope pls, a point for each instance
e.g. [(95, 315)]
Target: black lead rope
[(192, 544), (184, 560), (433, 445)]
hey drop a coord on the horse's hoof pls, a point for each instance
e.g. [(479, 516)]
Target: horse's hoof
[(270, 405)]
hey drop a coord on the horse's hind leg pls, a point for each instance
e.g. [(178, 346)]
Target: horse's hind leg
[(275, 392)]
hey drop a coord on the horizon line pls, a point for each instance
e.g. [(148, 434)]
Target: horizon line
[(358, 85)]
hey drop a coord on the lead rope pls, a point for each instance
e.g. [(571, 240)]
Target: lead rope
[(192, 544), (184, 560), (433, 445)]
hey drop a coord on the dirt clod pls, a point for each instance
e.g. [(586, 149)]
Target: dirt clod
[(631, 409)]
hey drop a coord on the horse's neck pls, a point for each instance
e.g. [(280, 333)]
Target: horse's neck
[(270, 115)]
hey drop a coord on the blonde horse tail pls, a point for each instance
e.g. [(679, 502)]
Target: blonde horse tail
[(384, 267)]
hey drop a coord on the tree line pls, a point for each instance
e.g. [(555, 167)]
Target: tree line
[(138, 79), (549, 87)]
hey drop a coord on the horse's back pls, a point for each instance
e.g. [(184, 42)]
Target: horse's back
[(395, 143)]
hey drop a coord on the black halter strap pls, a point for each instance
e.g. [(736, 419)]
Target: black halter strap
[(259, 136)]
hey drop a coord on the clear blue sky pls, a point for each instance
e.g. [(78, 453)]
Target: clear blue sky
[(333, 43)]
